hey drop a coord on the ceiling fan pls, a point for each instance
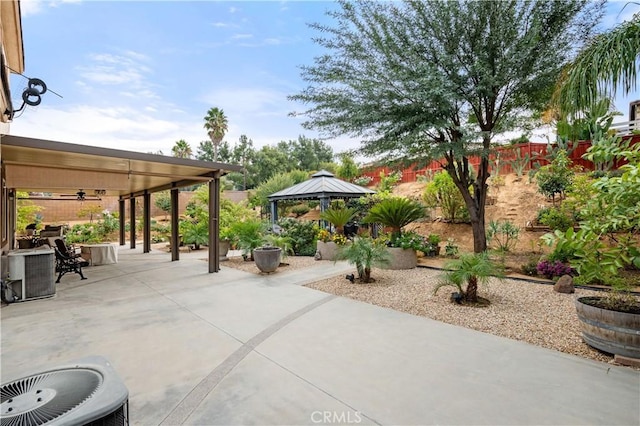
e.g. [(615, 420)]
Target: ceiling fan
[(81, 195)]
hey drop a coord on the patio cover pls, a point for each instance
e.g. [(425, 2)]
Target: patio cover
[(47, 166), (322, 186)]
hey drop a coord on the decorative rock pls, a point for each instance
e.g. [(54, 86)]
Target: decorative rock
[(564, 285)]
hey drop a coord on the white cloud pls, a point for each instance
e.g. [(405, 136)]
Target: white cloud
[(33, 7), (121, 128), (241, 36), (110, 69)]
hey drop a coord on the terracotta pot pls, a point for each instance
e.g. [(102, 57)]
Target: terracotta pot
[(610, 331), (401, 258), (267, 258)]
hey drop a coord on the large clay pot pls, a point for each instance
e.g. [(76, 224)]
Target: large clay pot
[(401, 258), (613, 332), (267, 258), (328, 251), (223, 249)]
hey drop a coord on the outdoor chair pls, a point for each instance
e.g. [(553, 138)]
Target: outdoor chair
[(66, 263), (65, 249)]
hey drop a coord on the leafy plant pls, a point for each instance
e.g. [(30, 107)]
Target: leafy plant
[(451, 249), (519, 163), (338, 217), (27, 211), (443, 192), (364, 253), (503, 234), (162, 200), (396, 213), (469, 269), (410, 240), (363, 180), (388, 182), (554, 218), (554, 179), (250, 235), (553, 269), (281, 241), (300, 210), (302, 235), (195, 232)]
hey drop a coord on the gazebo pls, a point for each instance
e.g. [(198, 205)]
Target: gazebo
[(322, 186)]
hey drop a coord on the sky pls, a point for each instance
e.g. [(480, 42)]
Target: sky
[(142, 75)]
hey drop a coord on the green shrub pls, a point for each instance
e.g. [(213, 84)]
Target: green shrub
[(554, 218), (364, 253), (300, 210), (442, 192), (302, 235)]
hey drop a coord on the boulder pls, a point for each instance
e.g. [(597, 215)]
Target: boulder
[(564, 285)]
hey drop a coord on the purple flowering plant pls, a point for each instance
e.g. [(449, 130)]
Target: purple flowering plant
[(553, 269)]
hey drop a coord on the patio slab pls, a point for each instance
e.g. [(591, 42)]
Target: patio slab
[(237, 348)]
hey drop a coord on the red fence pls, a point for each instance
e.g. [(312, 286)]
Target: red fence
[(534, 151)]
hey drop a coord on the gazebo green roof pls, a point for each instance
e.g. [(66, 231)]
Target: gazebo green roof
[(321, 185)]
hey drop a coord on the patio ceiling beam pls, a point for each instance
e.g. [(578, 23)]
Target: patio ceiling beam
[(115, 171)]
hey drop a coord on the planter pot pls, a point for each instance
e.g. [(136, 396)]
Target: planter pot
[(328, 251), (613, 332), (435, 251), (401, 258), (223, 250), (267, 258)]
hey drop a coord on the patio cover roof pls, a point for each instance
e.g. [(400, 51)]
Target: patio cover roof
[(47, 166), (321, 185)]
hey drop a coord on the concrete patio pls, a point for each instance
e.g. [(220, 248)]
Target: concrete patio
[(235, 348)]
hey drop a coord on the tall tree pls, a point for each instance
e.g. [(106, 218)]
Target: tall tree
[(243, 154), (181, 149), (205, 151), (439, 79), (610, 62), (216, 124), (348, 168)]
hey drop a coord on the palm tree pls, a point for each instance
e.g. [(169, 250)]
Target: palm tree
[(609, 61), (216, 124), (396, 213), (364, 253), (181, 149), (470, 268)]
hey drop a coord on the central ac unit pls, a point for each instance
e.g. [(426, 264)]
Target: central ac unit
[(32, 273), (88, 392)]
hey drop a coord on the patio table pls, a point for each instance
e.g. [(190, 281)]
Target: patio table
[(100, 254)]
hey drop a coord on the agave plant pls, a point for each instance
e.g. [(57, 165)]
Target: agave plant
[(338, 217), (469, 269), (364, 253), (396, 213)]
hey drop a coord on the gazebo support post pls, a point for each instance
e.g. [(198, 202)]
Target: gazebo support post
[(274, 211)]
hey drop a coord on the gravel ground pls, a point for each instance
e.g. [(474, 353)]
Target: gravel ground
[(290, 263), (519, 310)]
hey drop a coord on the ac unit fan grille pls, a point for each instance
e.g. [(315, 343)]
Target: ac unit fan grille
[(39, 275), (39, 399)]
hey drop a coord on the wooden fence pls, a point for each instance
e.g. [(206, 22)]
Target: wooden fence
[(535, 152)]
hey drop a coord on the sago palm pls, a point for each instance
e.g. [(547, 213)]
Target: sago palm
[(338, 217), (396, 213), (215, 122)]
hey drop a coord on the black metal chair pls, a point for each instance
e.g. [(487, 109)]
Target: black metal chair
[(65, 249), (66, 263)]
